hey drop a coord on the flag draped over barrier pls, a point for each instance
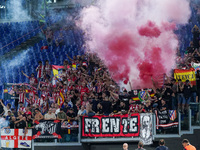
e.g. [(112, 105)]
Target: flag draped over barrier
[(134, 125), (146, 135), (14, 138), (47, 129), (166, 119), (113, 126)]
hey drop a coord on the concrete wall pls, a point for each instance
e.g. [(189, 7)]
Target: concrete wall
[(172, 143)]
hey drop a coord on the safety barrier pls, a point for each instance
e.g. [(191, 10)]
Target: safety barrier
[(87, 129)]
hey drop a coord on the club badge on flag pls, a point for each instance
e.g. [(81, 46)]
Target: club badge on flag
[(196, 66), (10, 91), (172, 114), (142, 95)]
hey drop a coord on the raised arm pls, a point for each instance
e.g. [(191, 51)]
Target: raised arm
[(69, 57), (2, 103), (25, 74)]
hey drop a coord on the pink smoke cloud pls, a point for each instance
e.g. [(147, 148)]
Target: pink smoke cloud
[(135, 38)]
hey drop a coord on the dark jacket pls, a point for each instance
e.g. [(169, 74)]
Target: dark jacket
[(162, 148), (140, 149)]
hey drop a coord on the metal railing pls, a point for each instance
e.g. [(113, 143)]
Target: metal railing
[(187, 123)]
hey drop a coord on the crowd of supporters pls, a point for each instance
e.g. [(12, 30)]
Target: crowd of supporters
[(85, 87)]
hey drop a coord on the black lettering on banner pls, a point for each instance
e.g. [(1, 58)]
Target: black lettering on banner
[(93, 124), (133, 127), (182, 77)]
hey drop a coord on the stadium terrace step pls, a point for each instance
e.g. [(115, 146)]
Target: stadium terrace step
[(23, 46)]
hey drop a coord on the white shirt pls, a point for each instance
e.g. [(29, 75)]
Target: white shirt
[(6, 111), (57, 111), (80, 112)]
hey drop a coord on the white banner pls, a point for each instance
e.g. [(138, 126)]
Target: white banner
[(14, 138), (146, 135)]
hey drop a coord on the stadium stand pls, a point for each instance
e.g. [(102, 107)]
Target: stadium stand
[(57, 79)]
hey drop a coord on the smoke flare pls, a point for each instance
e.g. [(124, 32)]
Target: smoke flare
[(135, 38)]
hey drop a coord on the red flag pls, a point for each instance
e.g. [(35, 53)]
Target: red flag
[(43, 47)]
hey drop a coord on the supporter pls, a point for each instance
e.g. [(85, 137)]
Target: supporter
[(125, 146), (33, 81), (187, 94), (48, 34), (141, 108), (162, 145), (75, 108), (8, 117), (84, 89), (28, 110), (14, 113), (148, 106), (180, 95), (191, 48), (194, 97), (1, 109), (60, 40), (125, 98), (115, 105), (47, 68), (198, 84), (21, 123), (140, 146), (122, 108), (187, 146), (65, 107), (167, 93), (22, 95), (196, 33), (163, 105), (89, 111), (57, 108), (21, 107), (30, 100), (54, 111), (71, 115), (99, 109), (50, 115), (44, 76), (39, 69), (38, 116), (62, 115), (174, 93), (12, 123), (106, 106), (29, 121), (5, 108), (81, 111), (133, 108)]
